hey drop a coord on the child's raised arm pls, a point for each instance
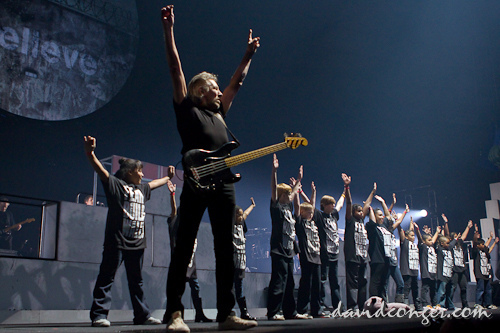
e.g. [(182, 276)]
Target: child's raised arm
[(494, 243), (398, 222), (446, 228), (89, 145), (436, 234), (368, 201), (274, 179), (466, 231), (384, 206), (348, 200), (340, 202), (249, 209), (417, 231), (487, 243), (172, 187), (162, 181)]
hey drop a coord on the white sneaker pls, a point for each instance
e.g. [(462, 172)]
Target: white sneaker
[(478, 306), (152, 321), (103, 322), (492, 307), (277, 317), (236, 323), (301, 316), (176, 324)]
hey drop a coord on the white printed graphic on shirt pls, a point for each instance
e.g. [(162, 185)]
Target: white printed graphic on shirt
[(312, 237), (458, 254), (288, 229), (394, 255), (447, 263), (332, 235), (431, 260), (485, 265), (360, 239), (388, 243), (134, 213), (413, 258), (239, 242)]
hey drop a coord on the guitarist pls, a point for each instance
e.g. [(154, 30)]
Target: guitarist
[(6, 220), (200, 108)]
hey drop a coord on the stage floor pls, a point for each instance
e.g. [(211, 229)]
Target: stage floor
[(360, 325)]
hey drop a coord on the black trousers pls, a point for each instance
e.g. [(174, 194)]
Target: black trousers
[(460, 279), (280, 293), (379, 275), (112, 258), (330, 272), (309, 287), (221, 210), (411, 283), (355, 284), (428, 292)]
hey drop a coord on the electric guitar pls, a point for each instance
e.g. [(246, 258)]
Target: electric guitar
[(15, 225), (207, 170)]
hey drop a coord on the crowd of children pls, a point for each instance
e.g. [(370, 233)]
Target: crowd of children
[(439, 258)]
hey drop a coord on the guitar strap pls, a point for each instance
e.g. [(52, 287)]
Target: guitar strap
[(221, 119)]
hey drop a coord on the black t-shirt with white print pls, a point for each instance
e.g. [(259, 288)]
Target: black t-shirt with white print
[(283, 230), (393, 260), (459, 256), (308, 236), (125, 223), (355, 241), (379, 247), (328, 234), (482, 264), (428, 261), (445, 262), (409, 258)]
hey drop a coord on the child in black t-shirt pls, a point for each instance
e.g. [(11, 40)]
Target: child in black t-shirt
[(480, 253), (356, 248), (125, 237), (459, 277), (310, 263), (409, 265), (380, 249), (283, 249), (428, 266), (444, 273)]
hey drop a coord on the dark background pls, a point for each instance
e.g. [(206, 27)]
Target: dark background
[(403, 93)]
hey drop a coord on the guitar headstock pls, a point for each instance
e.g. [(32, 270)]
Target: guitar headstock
[(295, 140)]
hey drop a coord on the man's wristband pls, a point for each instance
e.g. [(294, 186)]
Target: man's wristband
[(172, 193)]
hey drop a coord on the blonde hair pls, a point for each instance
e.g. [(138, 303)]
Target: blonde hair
[(283, 188), (305, 206), (326, 200), (198, 80)]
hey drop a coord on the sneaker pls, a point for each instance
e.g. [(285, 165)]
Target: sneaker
[(103, 322), (277, 317), (492, 307), (440, 308), (300, 316), (236, 323), (176, 324), (478, 306), (152, 321)]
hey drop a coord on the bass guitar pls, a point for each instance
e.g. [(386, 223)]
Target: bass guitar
[(16, 225), (208, 170)]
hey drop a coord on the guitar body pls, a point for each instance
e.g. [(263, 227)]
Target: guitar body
[(206, 171)]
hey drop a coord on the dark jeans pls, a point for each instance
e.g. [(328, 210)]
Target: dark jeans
[(428, 292), (329, 271), (309, 287), (355, 284), (221, 206), (111, 260), (395, 272), (443, 294), (280, 293), (460, 279), (483, 292), (379, 275)]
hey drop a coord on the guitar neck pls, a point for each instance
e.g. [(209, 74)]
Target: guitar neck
[(252, 155)]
